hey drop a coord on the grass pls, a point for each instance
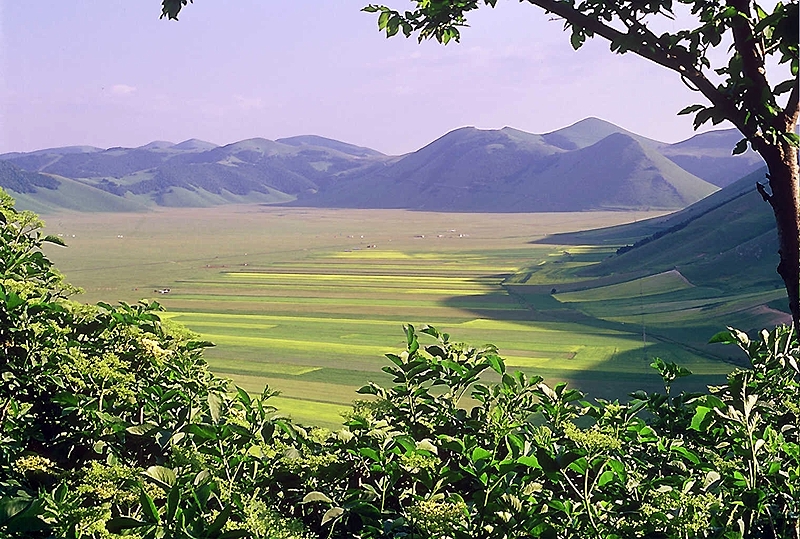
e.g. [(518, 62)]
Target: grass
[(309, 300)]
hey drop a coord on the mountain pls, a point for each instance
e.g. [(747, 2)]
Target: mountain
[(193, 172), (587, 132), (592, 164), (193, 145), (322, 142), (508, 170), (708, 156)]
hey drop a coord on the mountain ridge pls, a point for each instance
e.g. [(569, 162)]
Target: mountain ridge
[(467, 169)]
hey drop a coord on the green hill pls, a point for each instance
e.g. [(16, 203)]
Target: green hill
[(74, 195)]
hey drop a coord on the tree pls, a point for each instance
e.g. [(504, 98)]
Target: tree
[(739, 92)]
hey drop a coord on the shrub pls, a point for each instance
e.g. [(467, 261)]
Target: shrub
[(112, 425)]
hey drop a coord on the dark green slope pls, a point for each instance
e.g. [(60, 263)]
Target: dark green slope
[(13, 178), (732, 245), (727, 241)]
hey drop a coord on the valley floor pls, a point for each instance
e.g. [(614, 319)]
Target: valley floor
[(309, 300)]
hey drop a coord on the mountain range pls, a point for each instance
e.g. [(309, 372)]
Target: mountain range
[(590, 165)]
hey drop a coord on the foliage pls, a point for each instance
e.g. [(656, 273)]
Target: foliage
[(109, 422), (111, 425)]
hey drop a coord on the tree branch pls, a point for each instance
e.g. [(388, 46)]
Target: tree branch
[(748, 48), (677, 60)]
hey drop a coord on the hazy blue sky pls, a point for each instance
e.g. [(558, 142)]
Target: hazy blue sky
[(110, 73)]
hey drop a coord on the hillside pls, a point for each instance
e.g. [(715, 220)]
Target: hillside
[(729, 246), (679, 277), (592, 164), (634, 232), (725, 240)]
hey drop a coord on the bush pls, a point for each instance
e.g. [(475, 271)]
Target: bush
[(111, 425)]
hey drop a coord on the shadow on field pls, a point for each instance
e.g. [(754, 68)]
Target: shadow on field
[(607, 379)]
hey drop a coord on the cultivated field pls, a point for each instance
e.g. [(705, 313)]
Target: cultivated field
[(309, 300)]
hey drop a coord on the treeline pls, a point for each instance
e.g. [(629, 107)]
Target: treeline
[(111, 425)]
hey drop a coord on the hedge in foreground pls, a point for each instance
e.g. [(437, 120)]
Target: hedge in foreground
[(111, 425)]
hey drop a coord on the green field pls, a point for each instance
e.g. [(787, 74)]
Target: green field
[(309, 300)]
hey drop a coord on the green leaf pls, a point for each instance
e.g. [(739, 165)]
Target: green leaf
[(214, 406), (688, 455), (383, 19), (54, 239), (141, 430), (605, 478), (119, 524), (370, 453), (194, 345), (724, 337), (792, 138), (244, 396), (480, 453), (427, 445), (701, 419), (546, 462), (316, 497), (11, 507), (173, 498), (497, 363), (690, 109), (740, 147), (332, 513), (163, 477), (149, 508), (530, 462), (577, 39), (785, 86), (220, 521)]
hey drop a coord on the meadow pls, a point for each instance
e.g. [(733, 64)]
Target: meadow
[(308, 300)]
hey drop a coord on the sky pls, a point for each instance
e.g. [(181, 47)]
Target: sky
[(110, 73)]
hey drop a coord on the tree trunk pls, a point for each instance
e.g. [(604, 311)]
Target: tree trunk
[(784, 178)]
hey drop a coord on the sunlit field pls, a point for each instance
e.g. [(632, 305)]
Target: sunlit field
[(309, 300)]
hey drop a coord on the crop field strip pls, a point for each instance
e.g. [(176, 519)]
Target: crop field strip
[(288, 341), (311, 313)]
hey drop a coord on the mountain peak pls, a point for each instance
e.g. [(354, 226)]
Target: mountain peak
[(194, 144), (156, 145), (331, 144)]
